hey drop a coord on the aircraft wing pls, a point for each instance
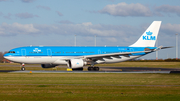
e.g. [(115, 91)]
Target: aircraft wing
[(114, 54)]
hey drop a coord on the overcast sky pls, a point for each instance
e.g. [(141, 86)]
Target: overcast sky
[(114, 22)]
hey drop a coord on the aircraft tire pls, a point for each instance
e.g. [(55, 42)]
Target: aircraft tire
[(90, 68), (23, 69), (96, 68)]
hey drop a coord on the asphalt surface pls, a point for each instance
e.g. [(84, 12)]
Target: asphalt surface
[(139, 69)]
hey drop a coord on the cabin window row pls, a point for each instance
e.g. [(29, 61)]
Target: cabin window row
[(79, 52), (112, 52), (61, 52), (35, 52)]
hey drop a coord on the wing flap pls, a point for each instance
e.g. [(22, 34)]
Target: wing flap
[(114, 54)]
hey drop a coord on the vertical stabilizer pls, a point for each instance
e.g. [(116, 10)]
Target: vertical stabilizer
[(149, 37)]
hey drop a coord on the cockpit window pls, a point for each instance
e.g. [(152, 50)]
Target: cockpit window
[(11, 52)]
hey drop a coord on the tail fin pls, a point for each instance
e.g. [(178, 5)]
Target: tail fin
[(149, 37)]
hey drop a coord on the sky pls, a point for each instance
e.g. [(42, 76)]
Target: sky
[(113, 22)]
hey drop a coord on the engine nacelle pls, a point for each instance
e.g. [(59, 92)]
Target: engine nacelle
[(76, 63), (48, 65)]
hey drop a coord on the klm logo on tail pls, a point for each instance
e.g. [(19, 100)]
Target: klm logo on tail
[(149, 36)]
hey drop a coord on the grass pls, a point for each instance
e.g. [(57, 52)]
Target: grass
[(90, 86), (103, 87)]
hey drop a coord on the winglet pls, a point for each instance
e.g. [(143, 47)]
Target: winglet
[(149, 37)]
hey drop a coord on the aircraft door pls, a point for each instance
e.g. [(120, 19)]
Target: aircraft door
[(23, 52), (49, 53), (99, 51)]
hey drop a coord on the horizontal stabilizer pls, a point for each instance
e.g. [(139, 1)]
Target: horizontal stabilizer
[(161, 47)]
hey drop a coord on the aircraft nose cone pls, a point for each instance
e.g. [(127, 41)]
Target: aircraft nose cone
[(6, 55)]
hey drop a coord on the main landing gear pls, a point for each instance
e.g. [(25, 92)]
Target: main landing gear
[(93, 68), (22, 67)]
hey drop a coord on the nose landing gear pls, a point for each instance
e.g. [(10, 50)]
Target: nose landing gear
[(23, 67)]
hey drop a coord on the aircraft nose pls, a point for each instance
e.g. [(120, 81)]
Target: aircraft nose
[(6, 56)]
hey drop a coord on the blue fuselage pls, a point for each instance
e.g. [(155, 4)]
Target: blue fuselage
[(71, 51), (60, 55)]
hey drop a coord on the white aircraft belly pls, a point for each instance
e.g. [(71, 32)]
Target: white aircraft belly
[(34, 60)]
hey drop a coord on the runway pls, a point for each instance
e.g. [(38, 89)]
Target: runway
[(133, 69), (106, 70)]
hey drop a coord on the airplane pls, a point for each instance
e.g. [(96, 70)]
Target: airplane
[(76, 57)]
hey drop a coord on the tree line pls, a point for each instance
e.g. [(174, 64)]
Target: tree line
[(2, 59)]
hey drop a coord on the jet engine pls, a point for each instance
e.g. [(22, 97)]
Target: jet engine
[(48, 65), (76, 63)]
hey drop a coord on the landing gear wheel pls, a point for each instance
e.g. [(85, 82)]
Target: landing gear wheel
[(96, 68), (23, 68), (93, 68), (90, 68)]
